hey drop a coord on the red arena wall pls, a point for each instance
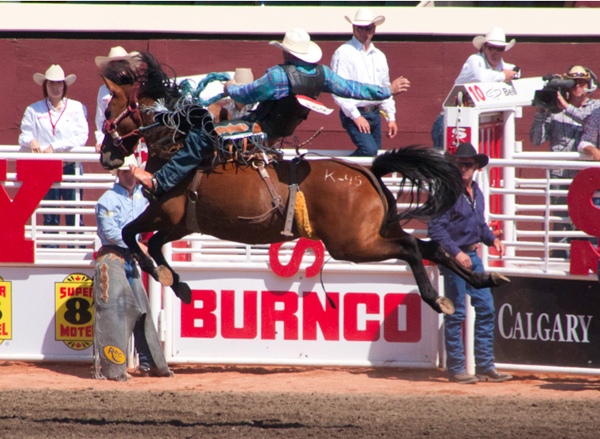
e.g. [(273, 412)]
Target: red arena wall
[(430, 66)]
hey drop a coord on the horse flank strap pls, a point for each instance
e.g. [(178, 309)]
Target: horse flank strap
[(293, 187), (191, 219), (277, 201)]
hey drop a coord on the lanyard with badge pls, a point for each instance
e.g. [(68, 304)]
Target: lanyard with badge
[(59, 116)]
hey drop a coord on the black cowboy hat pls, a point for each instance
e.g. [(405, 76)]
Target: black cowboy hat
[(466, 150)]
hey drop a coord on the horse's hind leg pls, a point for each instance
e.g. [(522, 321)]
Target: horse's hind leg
[(409, 252), (434, 252), (399, 246), (167, 276)]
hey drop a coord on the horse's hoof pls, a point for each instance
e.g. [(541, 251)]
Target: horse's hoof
[(182, 290), (164, 276), (498, 279), (445, 305)]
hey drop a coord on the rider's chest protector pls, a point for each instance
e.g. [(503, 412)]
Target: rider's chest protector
[(279, 118)]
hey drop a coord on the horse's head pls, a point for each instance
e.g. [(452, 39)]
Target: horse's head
[(126, 122), (121, 128)]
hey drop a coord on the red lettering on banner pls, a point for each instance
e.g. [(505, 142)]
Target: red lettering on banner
[(3, 291), (3, 329), (294, 265), (351, 331), (316, 313), (586, 217), (36, 176), (250, 328), (269, 315), (411, 317), (200, 322), (583, 258), (401, 316)]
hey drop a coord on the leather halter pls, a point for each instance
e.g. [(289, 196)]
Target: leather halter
[(133, 111)]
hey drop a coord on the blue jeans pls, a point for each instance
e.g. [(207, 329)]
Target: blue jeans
[(54, 194), (437, 132), (367, 144), (52, 219), (197, 144), (482, 300)]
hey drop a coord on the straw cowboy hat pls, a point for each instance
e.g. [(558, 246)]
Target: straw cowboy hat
[(118, 54), (129, 160), (243, 76), (364, 17), (495, 37), (466, 150), (54, 73), (297, 42)]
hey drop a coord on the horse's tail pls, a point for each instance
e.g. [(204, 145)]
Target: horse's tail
[(429, 173)]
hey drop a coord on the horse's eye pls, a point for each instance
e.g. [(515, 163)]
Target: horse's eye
[(107, 114)]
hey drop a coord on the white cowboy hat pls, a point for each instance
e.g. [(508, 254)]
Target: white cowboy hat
[(54, 73), (129, 160), (243, 76), (118, 54), (364, 17), (495, 37), (297, 42)]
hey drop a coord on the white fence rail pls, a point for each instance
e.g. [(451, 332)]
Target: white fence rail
[(531, 240)]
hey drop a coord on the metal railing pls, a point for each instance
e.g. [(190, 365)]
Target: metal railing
[(531, 239)]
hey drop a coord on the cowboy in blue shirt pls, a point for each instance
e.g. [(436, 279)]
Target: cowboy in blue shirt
[(120, 301), (459, 231), (279, 111)]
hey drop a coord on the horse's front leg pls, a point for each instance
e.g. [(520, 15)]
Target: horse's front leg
[(129, 234), (434, 252), (167, 276)]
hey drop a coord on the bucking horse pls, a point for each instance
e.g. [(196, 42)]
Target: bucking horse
[(252, 199)]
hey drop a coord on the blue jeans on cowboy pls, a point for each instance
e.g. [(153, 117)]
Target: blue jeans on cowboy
[(54, 194), (367, 144), (197, 144), (437, 132), (141, 345), (455, 290)]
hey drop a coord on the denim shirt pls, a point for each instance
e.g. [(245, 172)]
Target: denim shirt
[(463, 224), (114, 210)]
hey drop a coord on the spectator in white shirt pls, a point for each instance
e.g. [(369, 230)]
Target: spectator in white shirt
[(55, 124), (117, 55), (486, 65), (359, 60)]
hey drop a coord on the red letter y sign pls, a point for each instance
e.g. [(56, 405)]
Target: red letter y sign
[(36, 176)]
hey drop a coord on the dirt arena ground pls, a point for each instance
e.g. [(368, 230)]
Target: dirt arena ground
[(56, 400)]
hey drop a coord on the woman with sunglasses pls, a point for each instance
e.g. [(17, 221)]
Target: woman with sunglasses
[(486, 65)]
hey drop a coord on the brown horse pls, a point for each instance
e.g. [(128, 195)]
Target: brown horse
[(349, 208)]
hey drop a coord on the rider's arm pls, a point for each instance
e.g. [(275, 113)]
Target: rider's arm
[(273, 85), (353, 89)]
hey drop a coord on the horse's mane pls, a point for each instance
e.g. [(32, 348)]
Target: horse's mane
[(156, 84)]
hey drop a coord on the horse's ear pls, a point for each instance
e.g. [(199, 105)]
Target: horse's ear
[(112, 87)]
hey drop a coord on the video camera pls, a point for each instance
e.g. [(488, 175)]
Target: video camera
[(546, 98)]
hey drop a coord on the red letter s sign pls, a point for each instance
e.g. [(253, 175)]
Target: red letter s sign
[(294, 265)]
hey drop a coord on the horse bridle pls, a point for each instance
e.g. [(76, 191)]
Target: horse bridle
[(133, 111)]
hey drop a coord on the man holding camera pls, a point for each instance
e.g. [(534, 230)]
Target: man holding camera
[(562, 127)]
